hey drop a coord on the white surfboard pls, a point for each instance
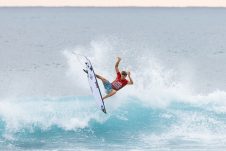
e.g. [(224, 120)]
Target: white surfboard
[(94, 85)]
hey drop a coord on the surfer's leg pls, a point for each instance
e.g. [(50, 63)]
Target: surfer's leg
[(101, 78), (110, 94), (107, 85)]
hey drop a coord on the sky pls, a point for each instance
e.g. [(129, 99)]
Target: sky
[(142, 3)]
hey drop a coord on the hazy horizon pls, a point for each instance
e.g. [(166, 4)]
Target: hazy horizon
[(112, 6), (115, 3)]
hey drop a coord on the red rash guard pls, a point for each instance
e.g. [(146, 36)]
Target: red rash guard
[(118, 83)]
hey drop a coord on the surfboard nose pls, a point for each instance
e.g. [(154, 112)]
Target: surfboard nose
[(104, 110)]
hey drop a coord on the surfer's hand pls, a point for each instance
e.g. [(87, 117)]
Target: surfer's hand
[(128, 73), (119, 59)]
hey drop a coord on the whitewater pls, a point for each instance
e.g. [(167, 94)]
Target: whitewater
[(176, 56)]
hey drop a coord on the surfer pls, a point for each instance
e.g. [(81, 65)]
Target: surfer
[(118, 83)]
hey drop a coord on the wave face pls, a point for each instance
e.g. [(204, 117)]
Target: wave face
[(176, 58), (75, 123)]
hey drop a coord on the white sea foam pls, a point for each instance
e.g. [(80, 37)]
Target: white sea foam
[(154, 84), (68, 114)]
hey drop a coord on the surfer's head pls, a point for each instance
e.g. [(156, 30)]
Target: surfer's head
[(124, 74)]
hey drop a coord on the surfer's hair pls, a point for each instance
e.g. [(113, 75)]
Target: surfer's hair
[(124, 73)]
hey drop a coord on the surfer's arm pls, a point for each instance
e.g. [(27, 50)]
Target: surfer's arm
[(116, 64), (130, 79), (110, 94)]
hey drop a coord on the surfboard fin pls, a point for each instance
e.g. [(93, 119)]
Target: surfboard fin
[(85, 71)]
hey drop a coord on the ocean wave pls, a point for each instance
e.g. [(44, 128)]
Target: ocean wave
[(73, 113)]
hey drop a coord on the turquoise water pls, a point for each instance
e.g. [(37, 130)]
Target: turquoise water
[(176, 57), (74, 123)]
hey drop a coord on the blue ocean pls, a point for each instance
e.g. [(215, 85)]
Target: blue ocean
[(176, 56)]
